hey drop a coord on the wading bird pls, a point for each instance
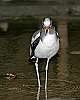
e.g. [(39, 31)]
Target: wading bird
[(44, 44)]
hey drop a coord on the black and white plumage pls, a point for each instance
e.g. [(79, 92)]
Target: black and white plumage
[(44, 44)]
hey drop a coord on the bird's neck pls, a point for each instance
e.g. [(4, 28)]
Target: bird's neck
[(48, 37), (43, 33)]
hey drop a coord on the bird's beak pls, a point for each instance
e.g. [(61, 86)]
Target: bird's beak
[(46, 30)]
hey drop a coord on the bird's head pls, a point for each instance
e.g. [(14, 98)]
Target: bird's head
[(46, 24)]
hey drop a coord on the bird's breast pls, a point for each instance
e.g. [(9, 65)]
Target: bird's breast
[(47, 47), (49, 40)]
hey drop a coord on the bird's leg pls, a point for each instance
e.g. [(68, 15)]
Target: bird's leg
[(36, 64), (46, 77)]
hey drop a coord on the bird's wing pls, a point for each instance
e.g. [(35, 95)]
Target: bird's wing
[(34, 42), (32, 49), (35, 36)]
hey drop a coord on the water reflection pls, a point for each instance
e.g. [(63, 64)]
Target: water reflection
[(46, 97), (38, 93)]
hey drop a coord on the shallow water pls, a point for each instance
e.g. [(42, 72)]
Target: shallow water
[(14, 52)]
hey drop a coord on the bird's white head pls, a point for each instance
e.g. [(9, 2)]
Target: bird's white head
[(47, 24)]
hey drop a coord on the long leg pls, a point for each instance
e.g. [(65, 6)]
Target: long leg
[(46, 77), (36, 64)]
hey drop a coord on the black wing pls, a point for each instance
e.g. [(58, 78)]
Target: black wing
[(32, 57), (34, 45)]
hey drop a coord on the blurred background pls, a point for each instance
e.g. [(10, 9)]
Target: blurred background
[(19, 19)]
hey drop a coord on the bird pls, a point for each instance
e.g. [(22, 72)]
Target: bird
[(44, 44)]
